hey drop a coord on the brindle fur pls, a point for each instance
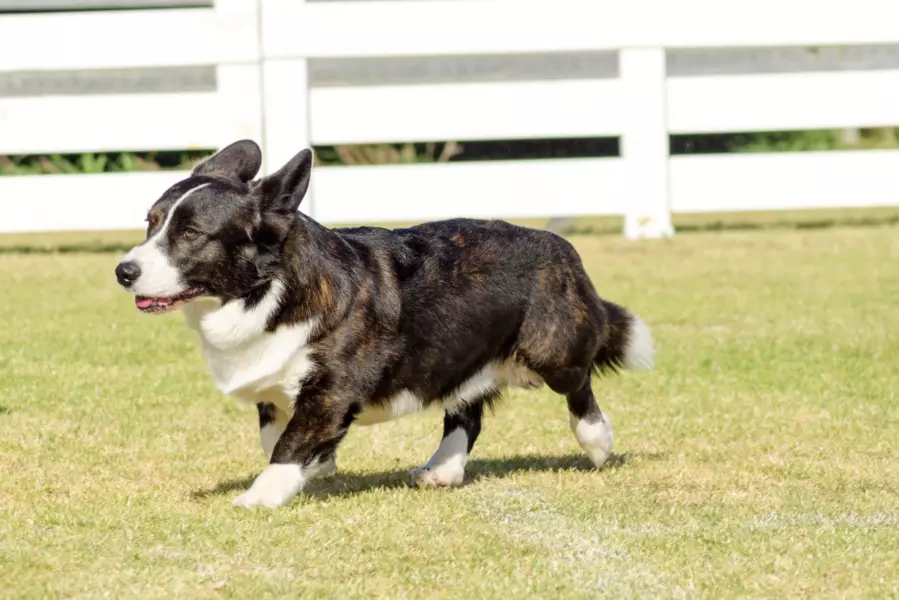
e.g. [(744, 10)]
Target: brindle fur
[(419, 309)]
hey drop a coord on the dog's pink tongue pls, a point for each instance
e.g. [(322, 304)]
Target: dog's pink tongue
[(143, 302)]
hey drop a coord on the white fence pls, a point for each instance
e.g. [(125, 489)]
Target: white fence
[(261, 50)]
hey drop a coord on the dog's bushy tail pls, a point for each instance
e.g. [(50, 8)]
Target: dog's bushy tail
[(628, 342)]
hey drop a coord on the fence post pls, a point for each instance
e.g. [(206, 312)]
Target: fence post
[(239, 85), (644, 144), (285, 104)]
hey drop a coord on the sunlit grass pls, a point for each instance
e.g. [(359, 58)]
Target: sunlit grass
[(759, 459)]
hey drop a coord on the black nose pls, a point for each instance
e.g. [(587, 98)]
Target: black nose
[(127, 273)]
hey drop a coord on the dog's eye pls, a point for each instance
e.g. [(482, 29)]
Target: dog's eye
[(190, 233)]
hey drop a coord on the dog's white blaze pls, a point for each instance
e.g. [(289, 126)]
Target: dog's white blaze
[(245, 360), (595, 438), (638, 351), (158, 277), (447, 466), (275, 486)]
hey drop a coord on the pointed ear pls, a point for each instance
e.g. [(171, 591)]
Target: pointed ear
[(283, 191), (240, 160)]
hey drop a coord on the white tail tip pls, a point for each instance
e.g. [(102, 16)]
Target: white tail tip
[(638, 351)]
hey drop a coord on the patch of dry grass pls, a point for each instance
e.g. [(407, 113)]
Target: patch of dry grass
[(759, 459)]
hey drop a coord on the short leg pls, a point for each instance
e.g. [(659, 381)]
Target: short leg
[(590, 426), (447, 466), (305, 449), (272, 422)]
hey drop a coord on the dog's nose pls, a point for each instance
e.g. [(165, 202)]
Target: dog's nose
[(127, 273)]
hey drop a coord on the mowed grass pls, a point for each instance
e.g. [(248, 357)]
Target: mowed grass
[(759, 459)]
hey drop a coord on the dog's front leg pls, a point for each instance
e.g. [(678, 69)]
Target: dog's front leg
[(305, 449), (272, 423)]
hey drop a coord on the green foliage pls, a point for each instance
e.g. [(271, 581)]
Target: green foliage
[(381, 154), (431, 152), (107, 162), (819, 140)]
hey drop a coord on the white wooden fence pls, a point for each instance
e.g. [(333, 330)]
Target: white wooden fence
[(261, 50)]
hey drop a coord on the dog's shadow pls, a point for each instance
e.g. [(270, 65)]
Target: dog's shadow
[(349, 483)]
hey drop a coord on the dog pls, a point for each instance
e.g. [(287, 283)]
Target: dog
[(325, 328)]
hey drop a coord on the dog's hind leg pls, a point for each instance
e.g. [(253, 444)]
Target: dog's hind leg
[(447, 466), (590, 425)]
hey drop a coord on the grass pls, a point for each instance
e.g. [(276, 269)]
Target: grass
[(758, 460)]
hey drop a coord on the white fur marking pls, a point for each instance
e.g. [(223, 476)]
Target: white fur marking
[(447, 466), (638, 351), (493, 377), (594, 438), (158, 278), (246, 361), (275, 486), (272, 432), (483, 382), (232, 324), (269, 436), (401, 404)]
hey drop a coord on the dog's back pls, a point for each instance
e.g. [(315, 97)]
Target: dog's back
[(484, 305)]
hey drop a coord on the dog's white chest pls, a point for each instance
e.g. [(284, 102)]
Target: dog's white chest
[(247, 362), (252, 371)]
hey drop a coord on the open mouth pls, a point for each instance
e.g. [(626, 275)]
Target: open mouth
[(150, 304)]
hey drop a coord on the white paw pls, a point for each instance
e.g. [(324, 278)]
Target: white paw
[(275, 486), (442, 476), (595, 438)]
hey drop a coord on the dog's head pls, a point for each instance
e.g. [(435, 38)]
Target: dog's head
[(217, 233)]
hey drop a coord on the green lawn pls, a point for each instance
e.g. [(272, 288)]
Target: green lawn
[(760, 459)]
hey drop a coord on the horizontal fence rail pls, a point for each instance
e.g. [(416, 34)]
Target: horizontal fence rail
[(414, 28), (292, 74)]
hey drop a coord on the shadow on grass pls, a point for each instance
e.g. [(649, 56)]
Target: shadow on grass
[(348, 483)]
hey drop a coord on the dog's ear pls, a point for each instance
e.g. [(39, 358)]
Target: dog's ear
[(283, 191), (240, 160)]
